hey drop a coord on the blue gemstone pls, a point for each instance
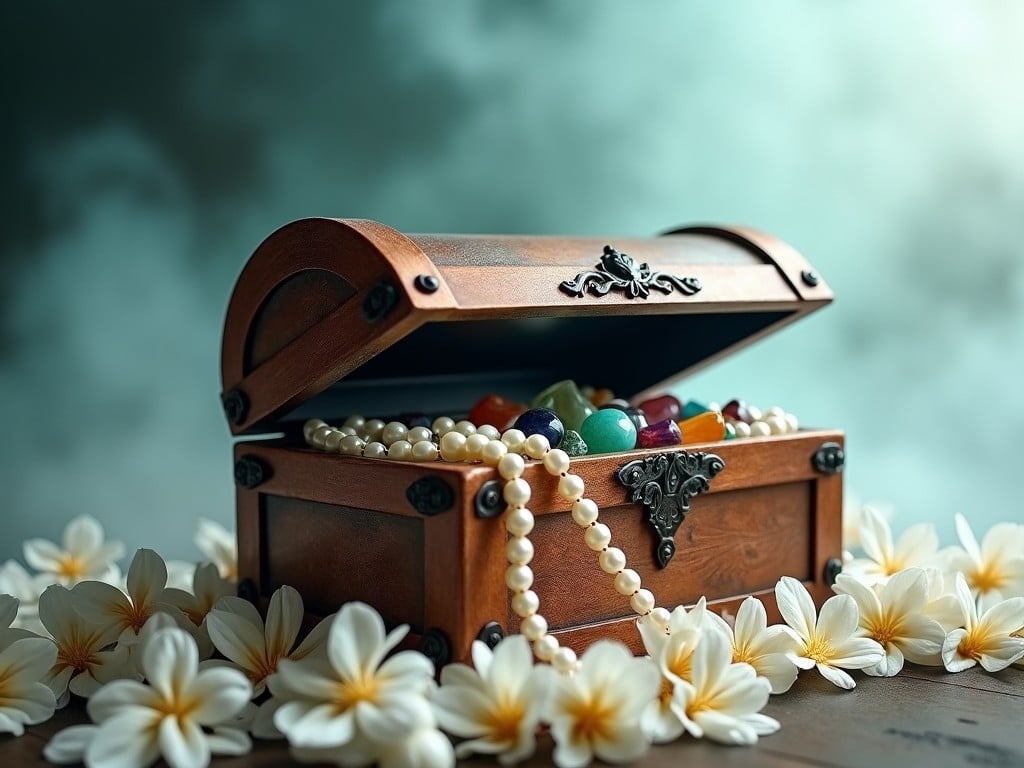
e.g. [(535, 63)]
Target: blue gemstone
[(693, 408), (416, 420), (541, 421)]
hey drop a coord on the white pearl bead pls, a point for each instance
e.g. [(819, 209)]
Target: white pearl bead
[(320, 435), (332, 440), (416, 434), (584, 512), (612, 560), (475, 445), (355, 422), (519, 521), (452, 445), (519, 550), (465, 427), (511, 466), (393, 432), (544, 647), (351, 445), (570, 487), (536, 446), (776, 424), (760, 429), (372, 429), (525, 603), (774, 411), (754, 413), (642, 601), (310, 427), (556, 461), (533, 627), (517, 492), (400, 450), (742, 428), (564, 660), (792, 423), (597, 536), (514, 439), (489, 431), (518, 577), (375, 450), (627, 582), (493, 453), (442, 425), (660, 617), (424, 450), (347, 431), (714, 406)]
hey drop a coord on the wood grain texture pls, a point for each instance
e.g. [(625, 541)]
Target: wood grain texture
[(925, 717)]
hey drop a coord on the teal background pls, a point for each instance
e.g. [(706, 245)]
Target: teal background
[(147, 149)]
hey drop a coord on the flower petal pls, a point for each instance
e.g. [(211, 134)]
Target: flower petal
[(316, 726), (856, 653), (170, 659), (724, 728), (310, 678), (315, 643), (83, 536), (182, 743), (796, 606), (393, 718), (147, 577), (119, 696), (125, 741), (222, 693), (8, 610), (838, 619), (751, 621), (284, 619), (889, 665), (100, 603), (28, 658), (409, 670), (229, 741), (967, 539), (837, 677), (236, 638), (1004, 617), (34, 702), (355, 640), (624, 745), (42, 555), (263, 722), (68, 746), (875, 536)]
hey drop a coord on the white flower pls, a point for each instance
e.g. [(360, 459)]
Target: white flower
[(597, 711), (943, 605), (103, 604), (81, 664), (140, 723), (238, 632), (85, 554), (8, 610), (207, 588), (16, 581), (893, 614), (354, 691), (180, 574), (219, 547), (767, 649), (853, 514), (23, 699), (826, 641), (918, 546), (496, 706), (987, 639), (995, 570), (724, 699)]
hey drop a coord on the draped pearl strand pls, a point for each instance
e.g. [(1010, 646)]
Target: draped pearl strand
[(463, 441)]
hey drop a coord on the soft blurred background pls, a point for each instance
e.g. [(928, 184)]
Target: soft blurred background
[(147, 149)]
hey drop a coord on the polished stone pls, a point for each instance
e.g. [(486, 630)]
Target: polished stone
[(573, 444), (541, 421), (693, 408), (608, 431), (659, 434), (496, 411), (565, 399), (703, 428), (663, 407), (735, 410)]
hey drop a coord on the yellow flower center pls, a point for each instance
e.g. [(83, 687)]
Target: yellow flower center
[(973, 644), (132, 615), (260, 667), (592, 718), (665, 694), (885, 628), (77, 652), (504, 720), (682, 664), (743, 654), (352, 692), (819, 650), (71, 566), (988, 577)]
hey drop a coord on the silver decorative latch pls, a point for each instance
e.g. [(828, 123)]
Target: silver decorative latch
[(619, 270)]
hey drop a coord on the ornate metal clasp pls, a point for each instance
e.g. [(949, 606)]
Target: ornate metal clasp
[(665, 484), (619, 270)]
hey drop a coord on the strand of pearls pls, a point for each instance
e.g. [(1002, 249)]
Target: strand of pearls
[(464, 442)]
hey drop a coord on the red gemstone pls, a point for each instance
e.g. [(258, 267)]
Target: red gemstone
[(496, 411), (660, 408), (736, 410), (659, 434)]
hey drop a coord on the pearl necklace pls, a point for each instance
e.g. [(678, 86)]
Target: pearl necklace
[(463, 441)]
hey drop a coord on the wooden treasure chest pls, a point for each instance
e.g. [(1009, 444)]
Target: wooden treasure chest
[(335, 318)]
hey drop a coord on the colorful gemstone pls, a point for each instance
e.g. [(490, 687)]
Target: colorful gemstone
[(659, 434), (703, 428), (608, 431), (602, 396), (541, 421), (693, 408), (573, 444), (637, 416), (730, 431), (736, 410), (565, 399), (663, 407), (496, 411)]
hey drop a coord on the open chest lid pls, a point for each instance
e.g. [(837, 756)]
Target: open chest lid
[(333, 317)]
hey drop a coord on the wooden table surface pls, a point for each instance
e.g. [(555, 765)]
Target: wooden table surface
[(924, 717)]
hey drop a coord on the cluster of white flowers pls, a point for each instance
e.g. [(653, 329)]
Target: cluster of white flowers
[(173, 665)]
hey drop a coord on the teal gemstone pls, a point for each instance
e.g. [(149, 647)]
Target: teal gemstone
[(730, 431), (693, 408), (565, 399), (573, 444), (608, 431)]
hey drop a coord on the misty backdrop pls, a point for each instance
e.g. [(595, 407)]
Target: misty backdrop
[(147, 149)]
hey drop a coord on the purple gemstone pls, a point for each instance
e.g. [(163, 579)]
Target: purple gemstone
[(658, 435), (664, 407), (541, 421)]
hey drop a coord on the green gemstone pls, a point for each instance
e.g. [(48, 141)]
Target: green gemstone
[(566, 400), (730, 431), (573, 444), (608, 431)]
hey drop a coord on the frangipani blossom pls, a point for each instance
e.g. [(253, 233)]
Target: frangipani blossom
[(987, 639), (828, 641), (995, 570), (943, 605), (85, 554), (354, 693), (767, 649), (206, 589), (8, 610), (724, 700), (219, 547), (497, 705), (19, 583), (893, 614), (182, 715), (853, 515), (917, 547), (597, 711), (238, 632), (23, 699)]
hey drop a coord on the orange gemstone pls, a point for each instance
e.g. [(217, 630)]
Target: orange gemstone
[(703, 428), (496, 411)]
